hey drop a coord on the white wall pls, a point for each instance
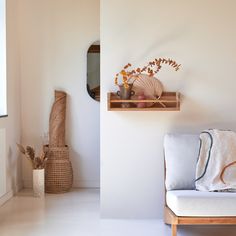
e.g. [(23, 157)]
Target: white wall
[(54, 38), (3, 58), (3, 158), (201, 36), (11, 124)]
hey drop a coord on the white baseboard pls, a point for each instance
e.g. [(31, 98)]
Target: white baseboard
[(76, 184), (6, 197)]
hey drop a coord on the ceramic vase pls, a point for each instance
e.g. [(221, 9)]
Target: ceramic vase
[(125, 93), (141, 104), (38, 182)]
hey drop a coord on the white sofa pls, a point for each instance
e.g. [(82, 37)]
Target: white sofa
[(183, 204)]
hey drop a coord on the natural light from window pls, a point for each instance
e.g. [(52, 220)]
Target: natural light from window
[(3, 102)]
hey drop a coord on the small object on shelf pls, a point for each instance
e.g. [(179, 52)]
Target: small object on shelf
[(125, 93), (169, 101), (141, 104), (151, 87)]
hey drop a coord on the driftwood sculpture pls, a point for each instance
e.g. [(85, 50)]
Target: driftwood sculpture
[(57, 121), (58, 171)]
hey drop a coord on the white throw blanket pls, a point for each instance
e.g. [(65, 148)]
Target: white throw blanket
[(216, 166)]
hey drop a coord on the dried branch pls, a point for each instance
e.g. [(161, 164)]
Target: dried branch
[(21, 148), (30, 152), (36, 162), (151, 69)]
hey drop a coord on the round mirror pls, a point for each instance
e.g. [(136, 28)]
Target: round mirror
[(93, 71)]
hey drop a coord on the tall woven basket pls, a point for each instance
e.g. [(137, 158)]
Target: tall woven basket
[(58, 171)]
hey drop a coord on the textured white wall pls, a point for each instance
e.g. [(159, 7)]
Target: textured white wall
[(54, 38), (11, 124), (3, 158), (2, 57), (201, 36)]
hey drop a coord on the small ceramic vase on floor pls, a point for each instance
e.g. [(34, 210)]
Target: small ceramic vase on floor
[(38, 182)]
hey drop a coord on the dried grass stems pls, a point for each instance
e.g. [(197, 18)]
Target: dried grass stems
[(36, 162), (150, 69)]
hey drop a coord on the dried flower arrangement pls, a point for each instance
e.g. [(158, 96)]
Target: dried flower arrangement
[(153, 67), (36, 162)]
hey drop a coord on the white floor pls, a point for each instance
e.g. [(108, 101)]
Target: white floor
[(77, 213)]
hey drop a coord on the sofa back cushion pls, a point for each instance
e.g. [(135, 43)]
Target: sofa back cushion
[(181, 154)]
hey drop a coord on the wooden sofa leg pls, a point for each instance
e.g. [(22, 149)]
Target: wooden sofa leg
[(174, 230)]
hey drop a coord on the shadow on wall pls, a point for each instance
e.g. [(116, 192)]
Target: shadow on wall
[(11, 167), (77, 167), (74, 156), (193, 116), (197, 117), (157, 45)]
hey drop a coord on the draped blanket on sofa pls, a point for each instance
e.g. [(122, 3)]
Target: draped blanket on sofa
[(216, 166)]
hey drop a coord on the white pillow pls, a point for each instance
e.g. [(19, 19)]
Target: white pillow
[(181, 154)]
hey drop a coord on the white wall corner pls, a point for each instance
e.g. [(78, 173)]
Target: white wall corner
[(17, 187), (27, 183), (6, 197)]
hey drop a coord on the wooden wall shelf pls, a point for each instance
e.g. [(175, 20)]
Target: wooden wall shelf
[(169, 101)]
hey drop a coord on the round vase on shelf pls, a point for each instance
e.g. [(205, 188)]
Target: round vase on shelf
[(141, 104), (125, 93), (38, 182)]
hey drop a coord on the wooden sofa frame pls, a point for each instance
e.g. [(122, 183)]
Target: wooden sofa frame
[(171, 219), (174, 221)]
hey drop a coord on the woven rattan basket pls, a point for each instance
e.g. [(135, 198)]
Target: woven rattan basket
[(58, 171)]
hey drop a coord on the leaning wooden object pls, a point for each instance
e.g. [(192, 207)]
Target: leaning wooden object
[(58, 172)]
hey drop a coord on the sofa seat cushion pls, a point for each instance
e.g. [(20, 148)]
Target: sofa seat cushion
[(196, 203)]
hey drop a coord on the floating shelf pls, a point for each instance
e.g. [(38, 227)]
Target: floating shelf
[(169, 101)]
